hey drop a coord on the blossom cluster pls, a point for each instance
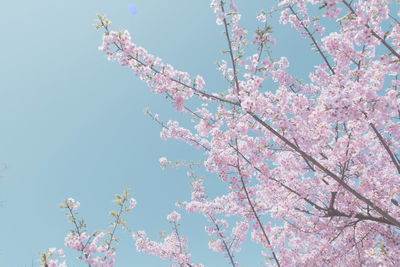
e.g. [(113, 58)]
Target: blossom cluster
[(48, 260), (311, 165), (173, 247), (95, 250)]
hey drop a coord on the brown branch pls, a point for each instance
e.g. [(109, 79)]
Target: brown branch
[(387, 148), (253, 209), (188, 139), (73, 219), (374, 33), (230, 51), (183, 84), (279, 182), (362, 217), (117, 222), (257, 218), (312, 39), (309, 165), (332, 201), (223, 241), (386, 215), (172, 79)]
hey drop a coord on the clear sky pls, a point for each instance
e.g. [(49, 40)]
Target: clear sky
[(72, 123)]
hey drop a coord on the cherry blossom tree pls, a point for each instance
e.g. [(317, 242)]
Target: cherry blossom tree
[(311, 166)]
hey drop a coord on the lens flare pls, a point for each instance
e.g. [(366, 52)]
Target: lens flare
[(132, 9)]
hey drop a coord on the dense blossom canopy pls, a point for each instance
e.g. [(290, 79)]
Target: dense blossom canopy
[(311, 166)]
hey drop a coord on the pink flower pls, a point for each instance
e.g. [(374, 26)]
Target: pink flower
[(74, 205), (132, 203), (163, 161), (60, 253), (262, 18), (174, 217), (336, 120)]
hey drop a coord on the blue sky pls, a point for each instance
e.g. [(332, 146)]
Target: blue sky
[(72, 123)]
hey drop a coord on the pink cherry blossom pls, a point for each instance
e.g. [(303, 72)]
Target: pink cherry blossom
[(163, 161), (132, 203), (174, 217), (310, 165)]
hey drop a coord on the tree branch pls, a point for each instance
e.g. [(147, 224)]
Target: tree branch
[(386, 215)]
